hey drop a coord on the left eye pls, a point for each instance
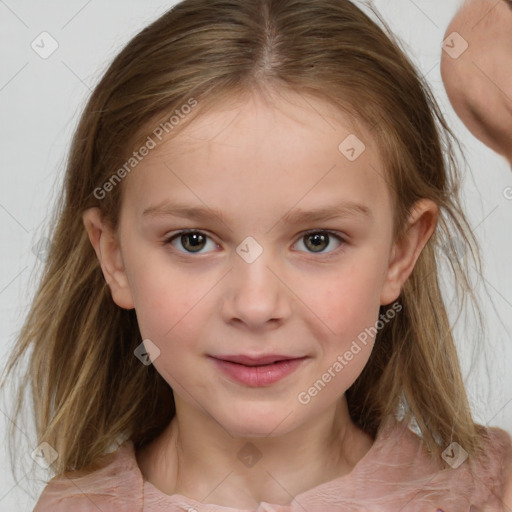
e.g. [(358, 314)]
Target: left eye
[(193, 241), (317, 241)]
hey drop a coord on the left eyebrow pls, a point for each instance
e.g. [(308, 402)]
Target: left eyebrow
[(345, 209), (297, 216)]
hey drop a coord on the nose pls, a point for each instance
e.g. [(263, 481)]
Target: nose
[(256, 293)]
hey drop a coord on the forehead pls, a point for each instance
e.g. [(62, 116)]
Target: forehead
[(288, 149), (255, 116)]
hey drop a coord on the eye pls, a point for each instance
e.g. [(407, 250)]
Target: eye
[(317, 241), (191, 240)]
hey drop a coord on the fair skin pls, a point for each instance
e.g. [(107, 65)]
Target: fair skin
[(256, 161), (479, 81)]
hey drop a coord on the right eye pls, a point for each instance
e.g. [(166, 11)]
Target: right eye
[(190, 239)]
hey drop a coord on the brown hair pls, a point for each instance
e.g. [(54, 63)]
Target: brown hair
[(209, 50)]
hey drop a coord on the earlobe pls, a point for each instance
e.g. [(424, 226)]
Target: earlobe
[(405, 253), (106, 245)]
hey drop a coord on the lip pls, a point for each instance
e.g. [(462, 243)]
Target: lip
[(259, 371), (255, 360)]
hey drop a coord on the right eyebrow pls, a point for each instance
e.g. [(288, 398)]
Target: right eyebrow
[(168, 209)]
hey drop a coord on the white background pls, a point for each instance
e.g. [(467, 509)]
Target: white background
[(40, 100)]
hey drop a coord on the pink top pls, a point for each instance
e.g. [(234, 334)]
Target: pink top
[(394, 475)]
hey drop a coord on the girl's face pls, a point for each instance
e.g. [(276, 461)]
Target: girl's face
[(290, 254)]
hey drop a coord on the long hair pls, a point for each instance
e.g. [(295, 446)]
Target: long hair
[(88, 389)]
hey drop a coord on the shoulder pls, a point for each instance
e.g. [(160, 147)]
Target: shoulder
[(498, 468), (507, 491), (116, 487)]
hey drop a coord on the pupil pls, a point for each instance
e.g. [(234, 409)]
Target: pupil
[(196, 238), (317, 239)]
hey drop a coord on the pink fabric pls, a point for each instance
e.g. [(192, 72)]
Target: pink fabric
[(394, 475)]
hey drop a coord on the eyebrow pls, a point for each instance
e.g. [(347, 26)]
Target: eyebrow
[(297, 216), (345, 209)]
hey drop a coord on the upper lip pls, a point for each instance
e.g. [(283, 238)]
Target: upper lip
[(256, 360)]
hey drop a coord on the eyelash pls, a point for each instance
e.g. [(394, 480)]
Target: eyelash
[(168, 241)]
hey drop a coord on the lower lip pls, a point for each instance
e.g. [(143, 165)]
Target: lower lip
[(258, 376)]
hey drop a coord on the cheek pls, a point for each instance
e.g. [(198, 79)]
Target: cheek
[(164, 297), (346, 311), (350, 300), (168, 315)]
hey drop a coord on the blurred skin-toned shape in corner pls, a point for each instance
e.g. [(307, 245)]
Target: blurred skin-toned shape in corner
[(476, 68)]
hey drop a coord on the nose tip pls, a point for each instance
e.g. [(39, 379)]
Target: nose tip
[(257, 293)]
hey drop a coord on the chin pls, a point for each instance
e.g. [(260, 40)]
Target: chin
[(256, 421)]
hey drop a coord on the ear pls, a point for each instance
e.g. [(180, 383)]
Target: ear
[(405, 252), (105, 243)]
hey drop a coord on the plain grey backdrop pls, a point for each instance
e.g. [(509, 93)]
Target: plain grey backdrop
[(41, 99)]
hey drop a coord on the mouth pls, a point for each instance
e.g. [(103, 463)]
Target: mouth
[(256, 360), (257, 371)]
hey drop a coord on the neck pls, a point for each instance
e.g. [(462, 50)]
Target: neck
[(197, 458)]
